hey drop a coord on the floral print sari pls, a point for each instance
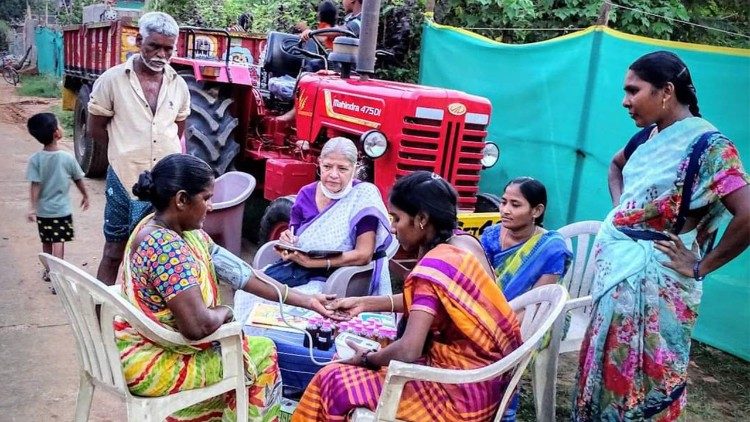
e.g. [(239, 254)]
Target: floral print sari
[(635, 354)]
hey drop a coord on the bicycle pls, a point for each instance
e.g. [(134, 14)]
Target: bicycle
[(10, 74)]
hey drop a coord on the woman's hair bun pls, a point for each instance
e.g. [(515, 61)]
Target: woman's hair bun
[(144, 188)]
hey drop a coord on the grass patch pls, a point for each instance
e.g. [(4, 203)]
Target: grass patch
[(39, 86), (65, 117)]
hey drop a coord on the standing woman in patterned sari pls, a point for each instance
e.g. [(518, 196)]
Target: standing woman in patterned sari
[(649, 269), (524, 254), (169, 275), (455, 317)]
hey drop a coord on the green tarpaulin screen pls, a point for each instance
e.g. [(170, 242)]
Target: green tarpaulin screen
[(49, 51), (557, 116)]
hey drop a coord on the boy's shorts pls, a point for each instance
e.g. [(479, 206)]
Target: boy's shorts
[(55, 229), (121, 213)]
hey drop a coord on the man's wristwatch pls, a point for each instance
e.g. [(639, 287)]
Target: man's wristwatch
[(696, 271)]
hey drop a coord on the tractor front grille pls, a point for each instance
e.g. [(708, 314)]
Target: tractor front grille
[(448, 147)]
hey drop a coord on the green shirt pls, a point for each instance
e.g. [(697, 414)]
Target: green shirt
[(53, 170)]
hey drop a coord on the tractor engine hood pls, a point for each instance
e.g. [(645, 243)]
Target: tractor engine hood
[(356, 106)]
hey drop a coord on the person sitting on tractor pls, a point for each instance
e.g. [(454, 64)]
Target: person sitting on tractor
[(352, 20), (244, 23), (337, 213), (327, 12)]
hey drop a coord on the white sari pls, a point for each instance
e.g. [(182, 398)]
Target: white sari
[(335, 229)]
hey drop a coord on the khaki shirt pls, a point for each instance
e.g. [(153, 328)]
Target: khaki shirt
[(137, 137)]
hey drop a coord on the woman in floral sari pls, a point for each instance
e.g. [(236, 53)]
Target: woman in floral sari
[(455, 317), (647, 286), (169, 275)]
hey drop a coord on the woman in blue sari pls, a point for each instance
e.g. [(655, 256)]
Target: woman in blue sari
[(523, 254)]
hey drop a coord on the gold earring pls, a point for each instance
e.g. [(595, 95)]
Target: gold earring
[(663, 103), (421, 226)]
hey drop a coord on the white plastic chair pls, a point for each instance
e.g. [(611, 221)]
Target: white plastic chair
[(578, 282), (343, 282), (99, 357), (542, 307)]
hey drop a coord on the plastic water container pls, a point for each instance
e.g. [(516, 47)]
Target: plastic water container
[(224, 222)]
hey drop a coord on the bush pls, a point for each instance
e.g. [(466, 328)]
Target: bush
[(65, 117), (4, 35), (39, 86)]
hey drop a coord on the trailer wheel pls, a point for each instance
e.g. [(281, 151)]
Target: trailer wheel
[(208, 129), (487, 202), (276, 219), (91, 156)]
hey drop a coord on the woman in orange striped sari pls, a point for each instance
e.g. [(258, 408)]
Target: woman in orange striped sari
[(455, 317)]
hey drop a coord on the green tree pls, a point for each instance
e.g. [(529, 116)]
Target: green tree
[(13, 10), (504, 20)]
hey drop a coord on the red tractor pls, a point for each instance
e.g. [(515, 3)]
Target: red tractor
[(236, 113)]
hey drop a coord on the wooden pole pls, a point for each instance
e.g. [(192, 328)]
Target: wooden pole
[(604, 13), (429, 6)]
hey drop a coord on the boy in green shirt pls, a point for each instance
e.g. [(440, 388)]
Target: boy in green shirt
[(50, 171)]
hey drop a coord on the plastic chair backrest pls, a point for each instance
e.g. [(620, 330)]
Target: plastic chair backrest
[(97, 351), (541, 307), (580, 240)]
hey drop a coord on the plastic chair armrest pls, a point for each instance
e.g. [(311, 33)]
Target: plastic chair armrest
[(227, 330), (580, 302), (266, 255), (338, 282)]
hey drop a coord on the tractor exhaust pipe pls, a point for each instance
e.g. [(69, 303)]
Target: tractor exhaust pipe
[(368, 38)]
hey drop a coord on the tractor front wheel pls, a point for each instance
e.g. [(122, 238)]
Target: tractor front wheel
[(276, 219), (208, 129)]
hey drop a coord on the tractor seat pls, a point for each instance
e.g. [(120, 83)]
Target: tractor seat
[(277, 61)]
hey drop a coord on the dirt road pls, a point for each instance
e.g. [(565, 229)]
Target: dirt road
[(38, 370)]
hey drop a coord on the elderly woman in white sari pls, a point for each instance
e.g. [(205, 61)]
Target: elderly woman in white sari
[(338, 213)]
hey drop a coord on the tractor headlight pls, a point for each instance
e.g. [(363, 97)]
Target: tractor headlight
[(490, 154), (374, 143)]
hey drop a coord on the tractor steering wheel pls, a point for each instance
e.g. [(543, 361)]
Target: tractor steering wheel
[(323, 31)]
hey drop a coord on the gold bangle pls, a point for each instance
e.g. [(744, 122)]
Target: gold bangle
[(393, 305), (286, 293)]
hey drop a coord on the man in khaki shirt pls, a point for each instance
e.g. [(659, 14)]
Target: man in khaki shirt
[(138, 109)]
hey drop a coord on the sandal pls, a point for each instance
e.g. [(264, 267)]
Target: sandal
[(45, 276), (52, 289)]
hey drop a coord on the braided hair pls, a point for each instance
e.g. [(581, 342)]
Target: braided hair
[(661, 67), (426, 192)]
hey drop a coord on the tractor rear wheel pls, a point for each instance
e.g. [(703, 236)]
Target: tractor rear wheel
[(276, 219), (91, 156), (208, 129)]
